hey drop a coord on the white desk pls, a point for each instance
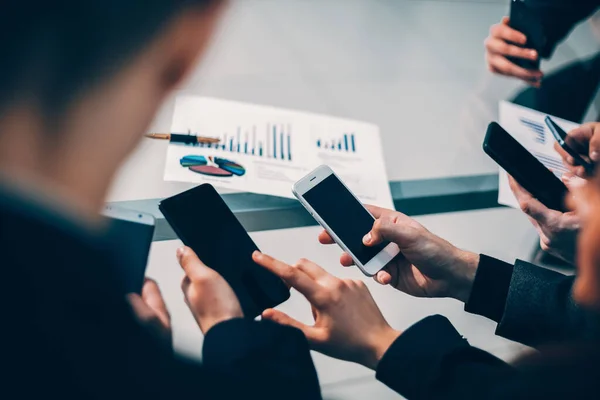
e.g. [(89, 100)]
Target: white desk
[(416, 69)]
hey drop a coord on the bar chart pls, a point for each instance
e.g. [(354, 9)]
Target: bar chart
[(347, 143), (272, 141), (538, 129)]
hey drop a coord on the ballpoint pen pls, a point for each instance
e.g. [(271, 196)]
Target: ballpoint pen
[(183, 138)]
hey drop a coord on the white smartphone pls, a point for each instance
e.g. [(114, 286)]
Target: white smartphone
[(129, 235), (344, 217)]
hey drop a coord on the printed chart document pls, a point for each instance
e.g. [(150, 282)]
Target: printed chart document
[(266, 150), (527, 126)]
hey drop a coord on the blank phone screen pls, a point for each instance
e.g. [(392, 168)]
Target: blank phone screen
[(344, 215), (130, 242), (203, 222)]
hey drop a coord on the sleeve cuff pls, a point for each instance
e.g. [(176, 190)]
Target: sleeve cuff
[(412, 360), (239, 338), (490, 288)]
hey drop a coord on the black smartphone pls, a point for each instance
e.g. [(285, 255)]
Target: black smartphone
[(129, 236), (524, 167), (528, 22), (204, 222), (561, 137)]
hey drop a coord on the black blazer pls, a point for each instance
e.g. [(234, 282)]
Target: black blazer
[(68, 333), (559, 17), (431, 360)]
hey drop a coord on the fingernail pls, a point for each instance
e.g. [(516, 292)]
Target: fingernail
[(257, 254), (367, 238), (180, 252), (533, 53), (595, 156)]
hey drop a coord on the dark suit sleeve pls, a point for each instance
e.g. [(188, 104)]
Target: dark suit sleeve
[(431, 360), (532, 305), (559, 17), (275, 357)]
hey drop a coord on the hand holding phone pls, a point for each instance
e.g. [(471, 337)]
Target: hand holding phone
[(531, 174), (423, 268), (344, 217), (509, 53), (561, 138), (204, 222), (585, 141)]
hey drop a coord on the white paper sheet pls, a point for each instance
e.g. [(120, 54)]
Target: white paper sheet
[(527, 126), (276, 147)]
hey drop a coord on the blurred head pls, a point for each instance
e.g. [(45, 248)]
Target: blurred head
[(586, 202), (81, 81)]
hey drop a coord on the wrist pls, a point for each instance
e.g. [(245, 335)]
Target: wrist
[(465, 270), (381, 343)]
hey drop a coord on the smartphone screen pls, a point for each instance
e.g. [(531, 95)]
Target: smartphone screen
[(204, 222), (130, 242), (524, 167), (344, 215)]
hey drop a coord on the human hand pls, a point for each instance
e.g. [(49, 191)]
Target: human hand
[(502, 43), (348, 324), (585, 140), (558, 231), (428, 266), (151, 311), (208, 296)]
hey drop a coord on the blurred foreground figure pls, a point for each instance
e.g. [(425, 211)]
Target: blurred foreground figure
[(79, 84)]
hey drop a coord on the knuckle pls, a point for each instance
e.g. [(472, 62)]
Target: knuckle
[(545, 243), (338, 285), (302, 262), (360, 284), (525, 207), (288, 274)]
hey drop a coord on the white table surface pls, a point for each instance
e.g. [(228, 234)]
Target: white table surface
[(415, 68)]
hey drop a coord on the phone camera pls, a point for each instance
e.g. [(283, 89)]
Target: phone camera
[(140, 216)]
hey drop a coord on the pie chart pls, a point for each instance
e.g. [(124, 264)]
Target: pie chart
[(210, 170), (212, 166)]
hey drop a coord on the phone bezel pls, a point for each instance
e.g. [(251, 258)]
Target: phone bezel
[(312, 180), (560, 136), (129, 215)]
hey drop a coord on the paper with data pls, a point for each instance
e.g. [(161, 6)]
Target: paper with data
[(266, 150), (527, 126)]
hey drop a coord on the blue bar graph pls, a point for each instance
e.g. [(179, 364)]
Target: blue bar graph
[(538, 129), (282, 145), (267, 142), (346, 144), (274, 141)]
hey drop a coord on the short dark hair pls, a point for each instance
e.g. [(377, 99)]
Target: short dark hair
[(54, 50)]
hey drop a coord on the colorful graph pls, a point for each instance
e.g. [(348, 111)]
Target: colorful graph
[(345, 144), (273, 141), (212, 166)]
